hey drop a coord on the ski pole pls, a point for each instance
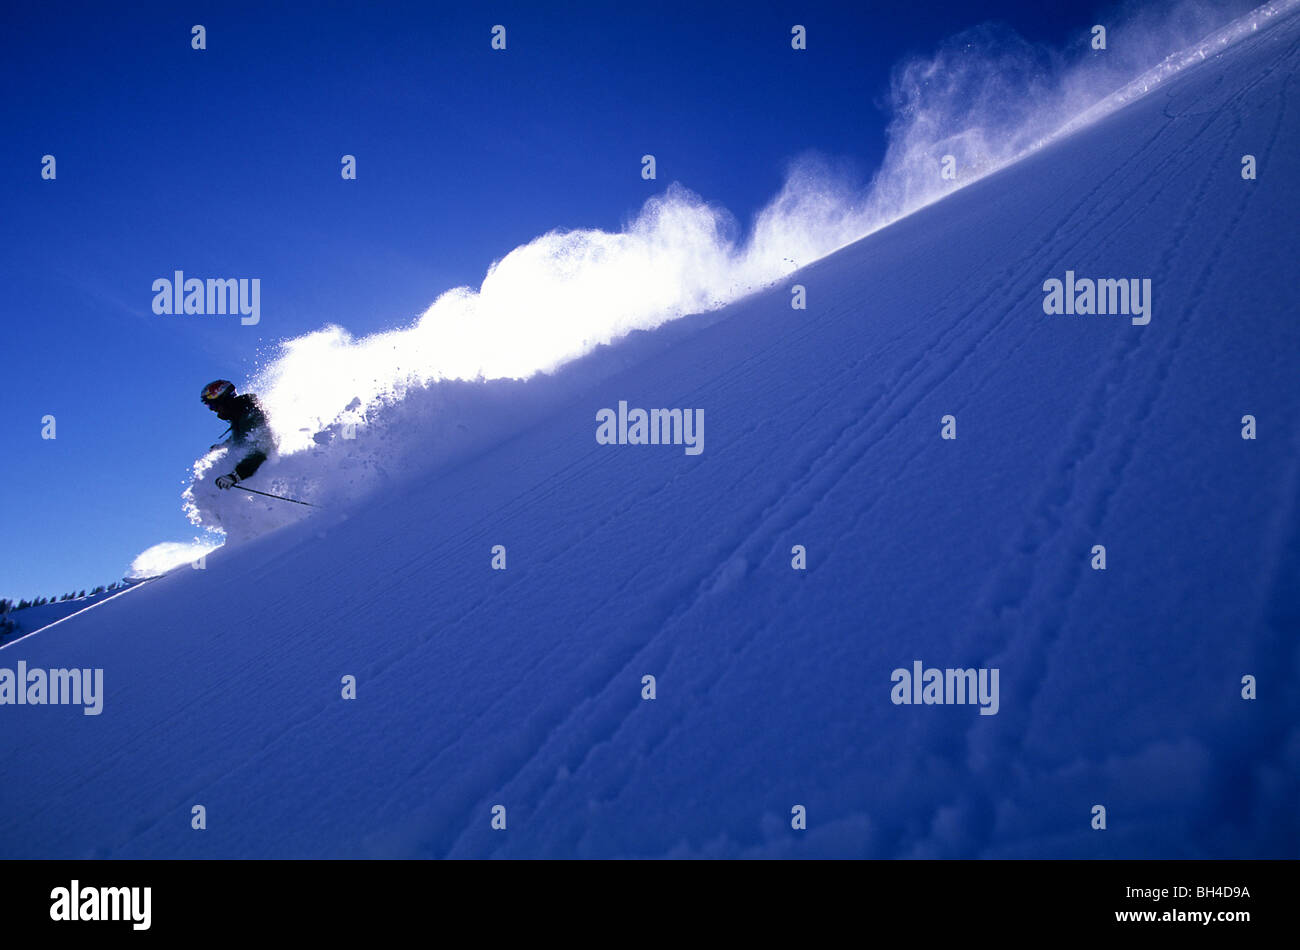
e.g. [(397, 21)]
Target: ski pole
[(281, 497), (219, 444)]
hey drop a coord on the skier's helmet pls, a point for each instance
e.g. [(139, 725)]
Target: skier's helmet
[(216, 391)]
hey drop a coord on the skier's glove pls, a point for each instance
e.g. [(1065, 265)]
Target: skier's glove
[(227, 481)]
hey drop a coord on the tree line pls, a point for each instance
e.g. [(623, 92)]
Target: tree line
[(7, 605)]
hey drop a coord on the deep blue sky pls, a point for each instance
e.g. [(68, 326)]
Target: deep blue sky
[(226, 163)]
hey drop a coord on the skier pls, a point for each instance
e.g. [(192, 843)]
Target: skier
[(249, 432)]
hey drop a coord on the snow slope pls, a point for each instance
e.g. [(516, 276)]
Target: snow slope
[(523, 687), (31, 620)]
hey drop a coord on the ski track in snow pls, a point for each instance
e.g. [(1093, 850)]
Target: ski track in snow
[(1017, 584)]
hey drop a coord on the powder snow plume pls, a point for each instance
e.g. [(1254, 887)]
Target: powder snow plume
[(161, 558), (352, 414)]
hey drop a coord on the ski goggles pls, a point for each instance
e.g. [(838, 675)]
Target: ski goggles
[(215, 392)]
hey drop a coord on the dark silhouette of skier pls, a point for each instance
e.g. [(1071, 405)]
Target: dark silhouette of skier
[(250, 436)]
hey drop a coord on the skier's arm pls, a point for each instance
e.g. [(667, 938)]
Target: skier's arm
[(249, 464), (246, 467), (256, 446), (253, 436)]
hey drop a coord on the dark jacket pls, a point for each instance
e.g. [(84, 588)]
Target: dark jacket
[(249, 432)]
